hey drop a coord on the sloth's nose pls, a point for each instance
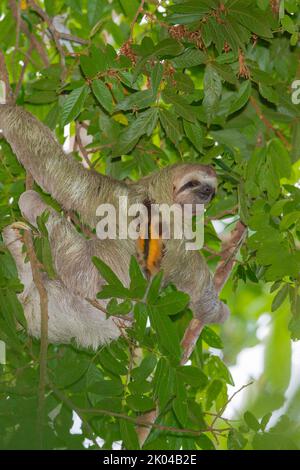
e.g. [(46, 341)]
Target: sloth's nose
[(207, 189)]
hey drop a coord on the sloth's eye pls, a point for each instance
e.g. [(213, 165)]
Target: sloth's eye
[(189, 185), (192, 184)]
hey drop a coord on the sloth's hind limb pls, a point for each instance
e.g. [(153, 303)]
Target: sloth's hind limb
[(72, 253), (70, 316)]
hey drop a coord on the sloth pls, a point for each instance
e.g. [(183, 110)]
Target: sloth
[(75, 188)]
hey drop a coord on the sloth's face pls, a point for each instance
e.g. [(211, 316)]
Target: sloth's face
[(196, 185)]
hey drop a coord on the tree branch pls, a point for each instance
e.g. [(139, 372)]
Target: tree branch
[(81, 147), (194, 329), (9, 96), (72, 38), (43, 294), (223, 270)]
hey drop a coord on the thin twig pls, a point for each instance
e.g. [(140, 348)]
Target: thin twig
[(84, 228), (267, 123), (64, 399), (148, 424), (138, 11), (46, 18), (26, 62), (72, 38), (219, 414), (33, 40), (222, 214)]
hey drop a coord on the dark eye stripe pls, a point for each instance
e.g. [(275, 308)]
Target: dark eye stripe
[(189, 184)]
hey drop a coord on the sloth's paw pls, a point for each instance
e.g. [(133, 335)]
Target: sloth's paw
[(31, 206), (224, 313)]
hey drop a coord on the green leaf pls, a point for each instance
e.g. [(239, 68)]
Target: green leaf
[(143, 124), (94, 11), (69, 368), (190, 58), (41, 97), (103, 95), (93, 63), (154, 288), (278, 377), (280, 297), (252, 19), (11, 308), (189, 12), (251, 421), (262, 4), (107, 388), (236, 440), (130, 7), (167, 334), (279, 157), (138, 100), (138, 282), (289, 219), (128, 435), (122, 308), (269, 93), (138, 388), (156, 77), (167, 47), (163, 381), (106, 272), (264, 421), (47, 258), (170, 125), (145, 368), (205, 443), (111, 363), (179, 404), (172, 303), (192, 376), (211, 338), (73, 104), (225, 72), (194, 133), (212, 92), (142, 404), (212, 393), (242, 97), (181, 106), (140, 316), (217, 369), (288, 24)]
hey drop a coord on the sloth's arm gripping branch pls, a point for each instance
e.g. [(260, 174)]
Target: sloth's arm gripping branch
[(223, 271), (73, 186)]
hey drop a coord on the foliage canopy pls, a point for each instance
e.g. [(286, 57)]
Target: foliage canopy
[(152, 83)]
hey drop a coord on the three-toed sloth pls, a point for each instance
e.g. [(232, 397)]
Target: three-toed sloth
[(79, 189)]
